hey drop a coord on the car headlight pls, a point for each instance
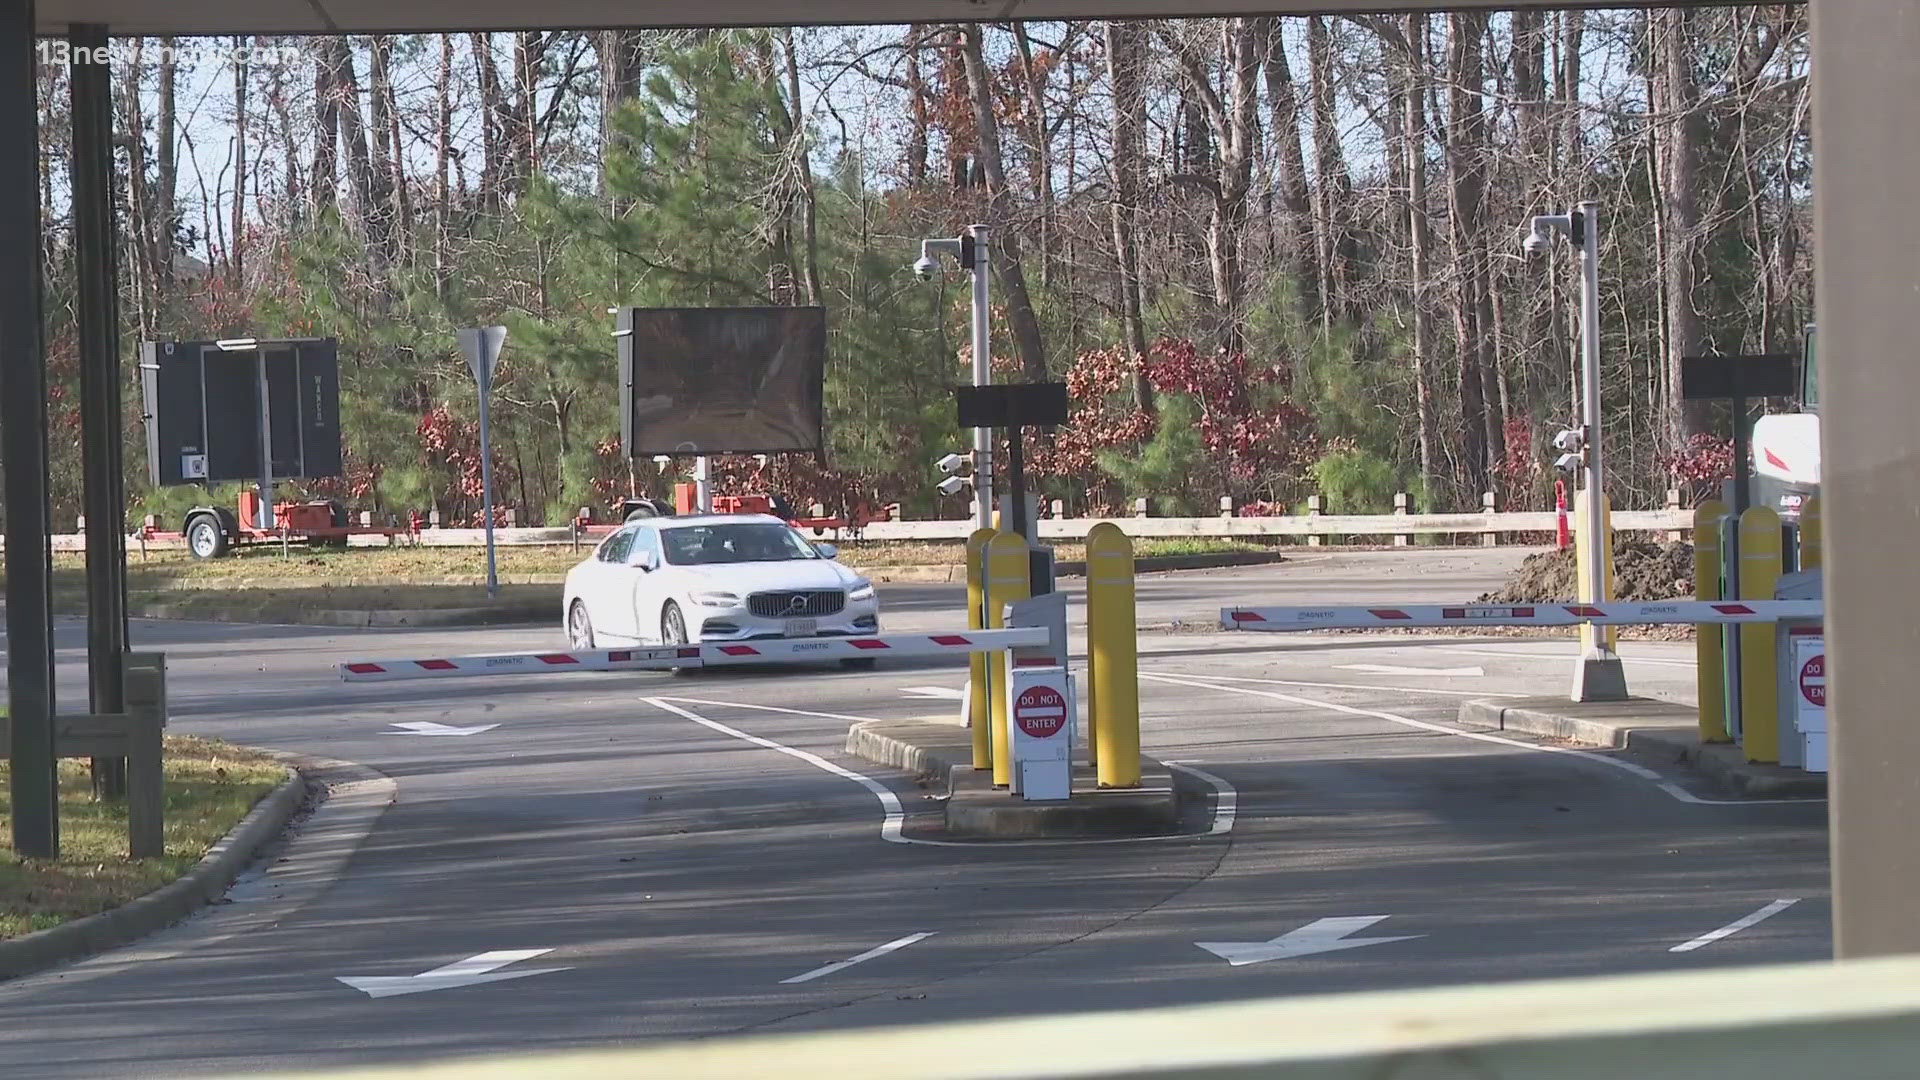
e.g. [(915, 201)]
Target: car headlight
[(862, 590), (716, 599)]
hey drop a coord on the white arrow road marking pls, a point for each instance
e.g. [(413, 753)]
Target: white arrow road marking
[(943, 693), (1397, 669), (428, 727), (1736, 925), (1318, 936), (469, 972), (841, 965)]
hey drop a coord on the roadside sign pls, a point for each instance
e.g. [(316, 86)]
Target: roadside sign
[(1040, 732), (1807, 653), (1813, 681), (482, 346), (1041, 712)]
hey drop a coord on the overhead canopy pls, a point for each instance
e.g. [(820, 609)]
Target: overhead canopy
[(191, 17)]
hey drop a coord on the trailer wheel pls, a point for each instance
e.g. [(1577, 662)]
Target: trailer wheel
[(205, 538)]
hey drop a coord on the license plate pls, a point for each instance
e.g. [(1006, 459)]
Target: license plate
[(801, 628)]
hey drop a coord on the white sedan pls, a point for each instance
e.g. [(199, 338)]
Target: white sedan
[(716, 577)]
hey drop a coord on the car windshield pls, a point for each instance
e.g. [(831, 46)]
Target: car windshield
[(698, 545)]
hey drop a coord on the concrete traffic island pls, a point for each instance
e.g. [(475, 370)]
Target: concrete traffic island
[(941, 754), (1658, 732)]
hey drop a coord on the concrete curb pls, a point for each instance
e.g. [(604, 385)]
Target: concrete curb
[(1658, 732), (168, 904), (940, 755)]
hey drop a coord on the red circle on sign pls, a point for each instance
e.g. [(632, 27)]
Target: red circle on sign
[(1815, 693), (1040, 711)]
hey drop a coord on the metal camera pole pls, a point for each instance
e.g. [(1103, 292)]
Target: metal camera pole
[(1599, 676), (982, 376)]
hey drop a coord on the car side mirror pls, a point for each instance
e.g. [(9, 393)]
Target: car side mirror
[(646, 561), (827, 551)]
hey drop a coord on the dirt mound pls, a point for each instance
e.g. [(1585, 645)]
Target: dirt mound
[(1642, 572)]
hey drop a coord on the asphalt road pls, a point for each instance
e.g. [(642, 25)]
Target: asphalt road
[(691, 871)]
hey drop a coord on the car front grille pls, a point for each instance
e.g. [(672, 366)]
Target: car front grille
[(796, 605)]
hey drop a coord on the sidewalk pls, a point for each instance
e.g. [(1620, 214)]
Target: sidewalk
[(1658, 732)]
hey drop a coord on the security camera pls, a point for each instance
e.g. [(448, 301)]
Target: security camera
[(952, 485), (1534, 244), (1570, 440), (953, 463), (1570, 463), (925, 268)]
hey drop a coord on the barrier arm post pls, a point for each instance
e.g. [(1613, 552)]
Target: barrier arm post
[(979, 683), (1812, 538), (1009, 578), (1708, 640), (1760, 545), (1112, 658)]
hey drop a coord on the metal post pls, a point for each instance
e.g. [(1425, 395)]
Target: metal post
[(703, 484), (1017, 484), (1600, 675), (98, 317), (23, 428), (486, 487), (263, 511), (982, 376)]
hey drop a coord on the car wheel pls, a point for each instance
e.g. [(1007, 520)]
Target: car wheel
[(579, 627), (860, 663), (205, 538), (673, 631)]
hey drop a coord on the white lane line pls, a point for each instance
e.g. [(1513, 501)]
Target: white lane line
[(1353, 686), (1467, 650), (1736, 925), (1672, 789), (893, 815), (1407, 669), (842, 965)]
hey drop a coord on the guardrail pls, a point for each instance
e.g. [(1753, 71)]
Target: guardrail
[(1315, 528)]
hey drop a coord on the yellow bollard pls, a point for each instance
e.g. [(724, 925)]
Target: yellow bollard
[(1113, 660), (1707, 637), (1759, 687), (1008, 579), (1580, 557), (1812, 541), (979, 686)]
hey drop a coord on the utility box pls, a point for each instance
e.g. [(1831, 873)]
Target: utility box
[(1800, 645), (1040, 733)]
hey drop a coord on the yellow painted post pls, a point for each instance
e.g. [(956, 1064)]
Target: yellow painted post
[(979, 686), (1580, 557), (1008, 579), (1113, 660), (1759, 688), (1811, 539), (1709, 677)]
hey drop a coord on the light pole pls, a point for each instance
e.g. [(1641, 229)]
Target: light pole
[(1599, 675), (970, 251)]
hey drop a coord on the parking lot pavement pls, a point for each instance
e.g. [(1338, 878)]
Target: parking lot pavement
[(639, 855)]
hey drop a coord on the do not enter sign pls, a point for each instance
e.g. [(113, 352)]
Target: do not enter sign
[(1040, 712), (1813, 681)]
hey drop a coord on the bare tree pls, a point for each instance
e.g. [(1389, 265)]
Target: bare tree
[(326, 127), (1295, 221), (1672, 29), (1420, 242), (236, 251), (1232, 121), (1006, 243), (1125, 55), (1333, 232)]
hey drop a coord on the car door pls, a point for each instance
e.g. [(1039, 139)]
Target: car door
[(646, 583), (609, 591)]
